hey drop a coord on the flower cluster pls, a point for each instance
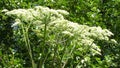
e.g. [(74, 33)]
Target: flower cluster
[(57, 25)]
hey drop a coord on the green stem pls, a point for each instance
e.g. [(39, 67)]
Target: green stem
[(44, 55), (27, 43), (68, 58)]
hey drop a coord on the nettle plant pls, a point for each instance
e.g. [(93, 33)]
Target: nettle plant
[(53, 41)]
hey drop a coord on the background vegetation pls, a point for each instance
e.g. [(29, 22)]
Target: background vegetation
[(103, 13)]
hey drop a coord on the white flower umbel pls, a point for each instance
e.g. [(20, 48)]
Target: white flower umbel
[(56, 24)]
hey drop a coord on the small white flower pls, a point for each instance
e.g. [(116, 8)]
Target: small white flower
[(67, 33), (113, 40), (82, 61), (17, 21), (63, 12), (108, 33), (74, 26), (4, 10)]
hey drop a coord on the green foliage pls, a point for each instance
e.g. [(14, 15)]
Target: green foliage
[(13, 51)]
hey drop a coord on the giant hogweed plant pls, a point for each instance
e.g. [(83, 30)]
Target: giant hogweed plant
[(53, 41)]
